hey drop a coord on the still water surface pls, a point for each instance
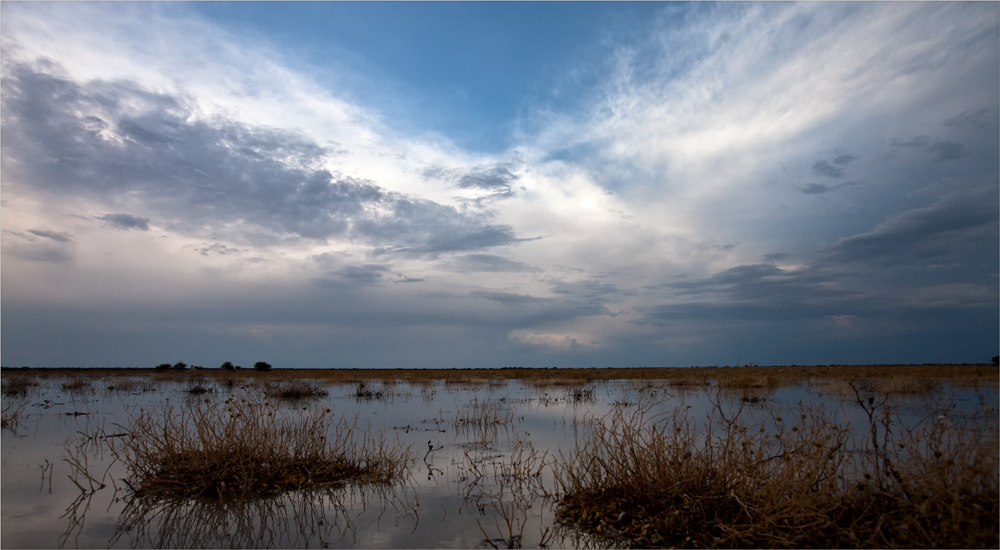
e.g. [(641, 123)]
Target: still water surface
[(462, 491)]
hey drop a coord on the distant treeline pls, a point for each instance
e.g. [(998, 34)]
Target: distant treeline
[(228, 365)]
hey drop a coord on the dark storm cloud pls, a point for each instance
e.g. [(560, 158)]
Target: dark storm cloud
[(352, 277), (844, 159), (955, 224), (489, 263), (57, 236), (364, 274), (218, 248), (917, 142), (947, 150), (820, 188), (941, 151), (882, 272), (461, 241), (125, 221), (589, 297), (39, 245), (968, 120), (498, 178), (757, 292), (45, 254), (571, 300), (815, 188), (777, 256), (105, 139), (824, 168), (763, 293), (508, 298)]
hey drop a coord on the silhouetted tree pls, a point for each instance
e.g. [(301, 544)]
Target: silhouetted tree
[(180, 365), (996, 359), (262, 366), (227, 366), (163, 366)]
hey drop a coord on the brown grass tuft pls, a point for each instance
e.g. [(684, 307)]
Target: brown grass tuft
[(484, 413), (245, 447), (129, 385), (18, 384), (747, 478), (12, 414), (77, 384), (294, 389), (366, 391), (906, 385)]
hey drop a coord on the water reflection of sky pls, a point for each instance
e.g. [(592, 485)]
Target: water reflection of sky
[(441, 505)]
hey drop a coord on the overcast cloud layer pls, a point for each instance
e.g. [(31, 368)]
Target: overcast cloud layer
[(778, 183)]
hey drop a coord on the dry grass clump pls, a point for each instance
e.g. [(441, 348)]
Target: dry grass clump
[(835, 388), (364, 390), (18, 385), (906, 385), (546, 383), (746, 479), (294, 389), (893, 386), (12, 414), (130, 385), (197, 388), (684, 382), (581, 395), (484, 413), (248, 447), (748, 381), (77, 384)]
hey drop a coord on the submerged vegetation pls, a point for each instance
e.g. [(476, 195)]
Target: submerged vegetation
[(246, 447), (758, 479)]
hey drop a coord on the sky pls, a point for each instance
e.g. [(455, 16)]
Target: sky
[(439, 185)]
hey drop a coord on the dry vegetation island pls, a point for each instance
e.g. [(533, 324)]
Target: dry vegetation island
[(744, 476)]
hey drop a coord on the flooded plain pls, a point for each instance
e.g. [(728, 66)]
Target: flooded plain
[(481, 472)]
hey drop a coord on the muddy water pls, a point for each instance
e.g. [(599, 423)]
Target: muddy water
[(469, 486)]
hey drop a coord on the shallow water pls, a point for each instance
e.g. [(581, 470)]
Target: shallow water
[(461, 491)]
